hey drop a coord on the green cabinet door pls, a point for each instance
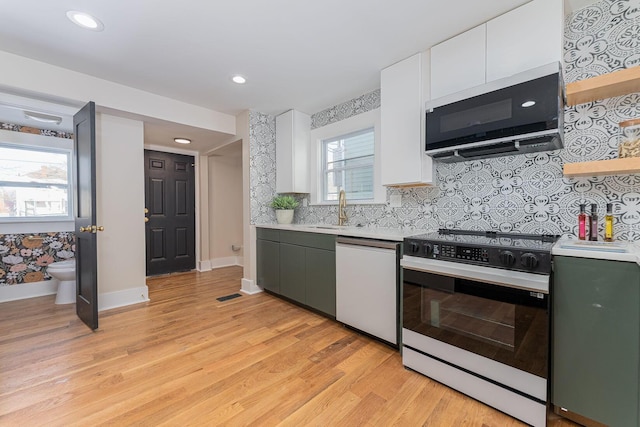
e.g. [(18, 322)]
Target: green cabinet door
[(292, 272), (321, 280), (268, 265), (596, 339)]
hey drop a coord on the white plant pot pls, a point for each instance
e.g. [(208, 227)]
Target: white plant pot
[(284, 216)]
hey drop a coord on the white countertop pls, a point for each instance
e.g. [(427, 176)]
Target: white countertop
[(380, 233), (614, 251)]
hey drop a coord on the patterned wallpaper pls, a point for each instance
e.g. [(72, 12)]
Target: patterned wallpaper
[(523, 193), (25, 260), (362, 104), (37, 131)]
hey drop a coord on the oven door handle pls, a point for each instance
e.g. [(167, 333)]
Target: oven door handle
[(497, 276)]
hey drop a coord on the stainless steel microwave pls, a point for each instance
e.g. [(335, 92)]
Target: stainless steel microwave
[(519, 114)]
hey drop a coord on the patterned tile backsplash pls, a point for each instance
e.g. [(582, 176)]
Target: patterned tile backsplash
[(523, 193), (25, 260)]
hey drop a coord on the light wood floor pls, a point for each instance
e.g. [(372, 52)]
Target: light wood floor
[(187, 359)]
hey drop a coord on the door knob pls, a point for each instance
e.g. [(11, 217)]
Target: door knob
[(85, 229), (146, 219), (98, 228), (146, 210)]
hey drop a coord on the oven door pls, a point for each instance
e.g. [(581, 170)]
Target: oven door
[(503, 323)]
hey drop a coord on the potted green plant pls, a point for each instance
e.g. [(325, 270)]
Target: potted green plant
[(284, 206)]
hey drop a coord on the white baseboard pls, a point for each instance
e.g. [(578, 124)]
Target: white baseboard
[(225, 262), (204, 266), (116, 299), (28, 290), (249, 287), (106, 301)]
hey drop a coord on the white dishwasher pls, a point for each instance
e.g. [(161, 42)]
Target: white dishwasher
[(367, 296)]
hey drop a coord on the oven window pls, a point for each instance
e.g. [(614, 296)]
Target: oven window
[(490, 322), (507, 325)]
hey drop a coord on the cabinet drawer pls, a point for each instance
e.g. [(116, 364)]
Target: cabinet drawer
[(312, 240), (268, 234)]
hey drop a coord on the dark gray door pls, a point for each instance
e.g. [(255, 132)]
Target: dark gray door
[(84, 124), (170, 204)]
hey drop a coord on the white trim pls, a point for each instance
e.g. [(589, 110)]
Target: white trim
[(173, 150), (28, 290), (204, 266), (249, 287), (359, 122), (225, 262), (109, 300)]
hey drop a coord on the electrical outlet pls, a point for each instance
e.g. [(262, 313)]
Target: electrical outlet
[(395, 200)]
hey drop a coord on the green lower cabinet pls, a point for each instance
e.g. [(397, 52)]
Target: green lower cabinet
[(596, 339), (292, 272), (321, 280), (299, 266), (268, 257)]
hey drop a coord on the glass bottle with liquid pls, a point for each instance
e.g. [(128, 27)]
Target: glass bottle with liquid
[(593, 226), (608, 224), (582, 223)]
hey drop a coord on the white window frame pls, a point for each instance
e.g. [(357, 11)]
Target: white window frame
[(370, 119), (46, 144)]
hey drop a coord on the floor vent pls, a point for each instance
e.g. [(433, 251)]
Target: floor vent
[(228, 297)]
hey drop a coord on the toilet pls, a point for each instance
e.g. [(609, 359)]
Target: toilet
[(65, 273)]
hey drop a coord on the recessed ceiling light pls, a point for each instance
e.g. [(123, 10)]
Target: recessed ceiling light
[(528, 104), (41, 117), (182, 140), (85, 20), (239, 79)]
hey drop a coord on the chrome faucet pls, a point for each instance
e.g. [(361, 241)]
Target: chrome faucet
[(342, 204)]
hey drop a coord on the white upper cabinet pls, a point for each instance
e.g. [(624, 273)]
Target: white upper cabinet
[(403, 92), (525, 38), (459, 63), (292, 152)]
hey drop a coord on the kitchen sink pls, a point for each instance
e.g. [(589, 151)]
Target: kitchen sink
[(329, 227)]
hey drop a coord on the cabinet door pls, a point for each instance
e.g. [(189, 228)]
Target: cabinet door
[(459, 63), (292, 272), (292, 146), (596, 339), (402, 149), (268, 265), (525, 38), (321, 280)]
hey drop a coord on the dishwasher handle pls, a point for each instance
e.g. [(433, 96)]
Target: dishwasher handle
[(371, 243)]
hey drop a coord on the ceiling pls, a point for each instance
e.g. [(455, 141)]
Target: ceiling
[(295, 54)]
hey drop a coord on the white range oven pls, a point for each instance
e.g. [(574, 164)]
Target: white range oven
[(475, 316)]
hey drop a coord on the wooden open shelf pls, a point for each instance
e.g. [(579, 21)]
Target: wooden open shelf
[(605, 86), (603, 167)]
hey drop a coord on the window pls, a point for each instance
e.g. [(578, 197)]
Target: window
[(34, 183), (348, 164)]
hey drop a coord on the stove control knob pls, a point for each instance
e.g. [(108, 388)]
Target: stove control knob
[(427, 248), (507, 258), (414, 248), (529, 261)]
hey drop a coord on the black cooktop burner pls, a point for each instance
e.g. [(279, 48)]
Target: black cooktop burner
[(513, 251)]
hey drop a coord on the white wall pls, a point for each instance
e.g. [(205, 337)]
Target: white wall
[(225, 207), (120, 209), (49, 82)]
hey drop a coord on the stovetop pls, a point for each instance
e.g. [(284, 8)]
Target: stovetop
[(511, 251), (542, 242)]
